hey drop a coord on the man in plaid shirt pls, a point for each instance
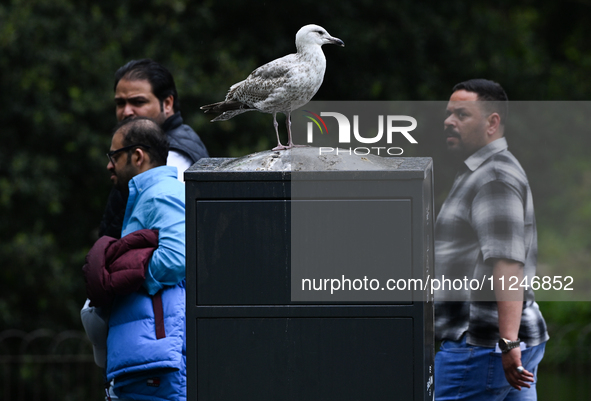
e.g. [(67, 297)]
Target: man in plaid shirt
[(493, 339)]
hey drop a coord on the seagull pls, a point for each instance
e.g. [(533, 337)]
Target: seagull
[(282, 85)]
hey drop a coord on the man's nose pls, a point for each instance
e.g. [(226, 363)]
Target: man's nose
[(449, 121), (128, 111)]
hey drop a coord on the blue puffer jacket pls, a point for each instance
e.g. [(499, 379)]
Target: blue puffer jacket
[(144, 366)]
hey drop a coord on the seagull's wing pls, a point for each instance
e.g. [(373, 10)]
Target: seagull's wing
[(263, 81), (275, 69)]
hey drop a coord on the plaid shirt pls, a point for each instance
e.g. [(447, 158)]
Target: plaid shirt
[(488, 214)]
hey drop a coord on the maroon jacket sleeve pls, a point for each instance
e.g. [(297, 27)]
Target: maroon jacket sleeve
[(117, 267)]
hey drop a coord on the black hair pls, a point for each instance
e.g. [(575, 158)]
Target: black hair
[(156, 74), (145, 131), (489, 91)]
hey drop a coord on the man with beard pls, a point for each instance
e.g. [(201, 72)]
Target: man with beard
[(145, 351), (492, 342), (145, 88)]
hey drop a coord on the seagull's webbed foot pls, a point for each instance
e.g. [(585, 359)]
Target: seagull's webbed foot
[(281, 147)]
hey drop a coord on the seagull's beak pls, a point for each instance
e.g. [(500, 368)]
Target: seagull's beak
[(336, 41)]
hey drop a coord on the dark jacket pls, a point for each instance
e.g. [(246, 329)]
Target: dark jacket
[(182, 139)]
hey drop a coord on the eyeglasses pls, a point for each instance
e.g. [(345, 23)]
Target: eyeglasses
[(114, 152)]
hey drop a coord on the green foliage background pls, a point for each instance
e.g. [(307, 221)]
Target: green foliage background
[(58, 57)]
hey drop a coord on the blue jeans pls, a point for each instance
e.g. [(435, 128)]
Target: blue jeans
[(467, 372)]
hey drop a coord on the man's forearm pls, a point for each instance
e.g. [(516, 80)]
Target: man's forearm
[(510, 306), (509, 302)]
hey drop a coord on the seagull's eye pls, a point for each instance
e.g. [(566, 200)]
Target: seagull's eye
[(319, 32)]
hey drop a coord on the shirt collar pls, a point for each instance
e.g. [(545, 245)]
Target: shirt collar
[(150, 177), (483, 154), (172, 122)]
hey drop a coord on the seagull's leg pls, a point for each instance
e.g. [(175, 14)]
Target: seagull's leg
[(290, 143), (276, 125)]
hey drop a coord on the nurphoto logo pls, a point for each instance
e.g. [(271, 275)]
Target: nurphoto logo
[(391, 125)]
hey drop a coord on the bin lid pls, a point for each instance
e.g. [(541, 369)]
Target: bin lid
[(300, 162)]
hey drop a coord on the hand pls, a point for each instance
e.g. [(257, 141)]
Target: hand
[(511, 360)]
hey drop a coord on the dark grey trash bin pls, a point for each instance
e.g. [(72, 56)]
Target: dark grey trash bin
[(257, 227)]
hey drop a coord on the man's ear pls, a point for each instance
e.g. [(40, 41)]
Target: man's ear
[(168, 106), (494, 123), (141, 159)]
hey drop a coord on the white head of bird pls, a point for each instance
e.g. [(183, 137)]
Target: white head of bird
[(315, 35)]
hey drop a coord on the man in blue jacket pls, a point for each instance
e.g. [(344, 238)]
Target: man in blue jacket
[(155, 200), (144, 361)]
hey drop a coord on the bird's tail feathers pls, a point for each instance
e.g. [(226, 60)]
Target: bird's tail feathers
[(228, 109), (226, 115), (221, 107)]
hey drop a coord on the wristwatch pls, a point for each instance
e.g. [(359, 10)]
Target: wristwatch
[(507, 345)]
